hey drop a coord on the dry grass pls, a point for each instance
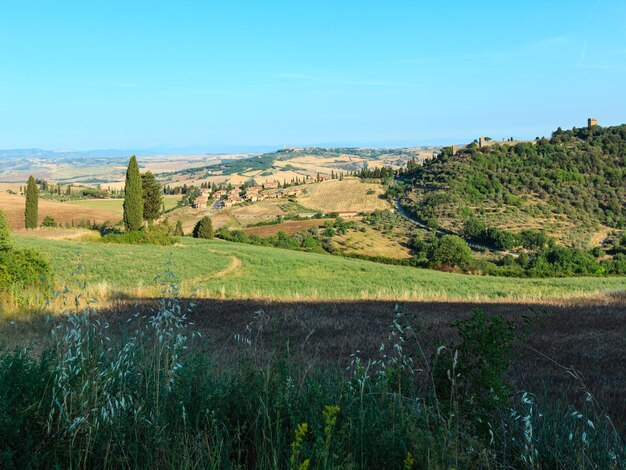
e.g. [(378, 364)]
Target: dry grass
[(77, 234), (372, 243), (351, 194), (13, 206)]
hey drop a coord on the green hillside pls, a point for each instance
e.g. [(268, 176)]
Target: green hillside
[(571, 184), (224, 269)]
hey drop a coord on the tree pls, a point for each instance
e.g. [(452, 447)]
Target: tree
[(133, 197), (204, 228), (178, 231), (31, 212), (152, 196), (451, 250), (5, 233)]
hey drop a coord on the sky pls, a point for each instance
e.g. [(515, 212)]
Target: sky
[(214, 74)]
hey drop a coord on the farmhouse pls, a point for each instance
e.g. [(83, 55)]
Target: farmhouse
[(200, 202)]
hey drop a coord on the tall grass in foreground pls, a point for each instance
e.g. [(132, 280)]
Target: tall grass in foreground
[(153, 397)]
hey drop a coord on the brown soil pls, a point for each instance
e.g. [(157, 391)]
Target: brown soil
[(590, 337)]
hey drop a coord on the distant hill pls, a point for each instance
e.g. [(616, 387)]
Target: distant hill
[(337, 158), (570, 184)]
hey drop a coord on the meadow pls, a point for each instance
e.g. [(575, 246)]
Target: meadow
[(229, 270)]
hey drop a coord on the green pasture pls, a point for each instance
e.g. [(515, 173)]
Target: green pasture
[(224, 269)]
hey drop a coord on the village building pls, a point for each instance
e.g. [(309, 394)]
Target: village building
[(200, 202)]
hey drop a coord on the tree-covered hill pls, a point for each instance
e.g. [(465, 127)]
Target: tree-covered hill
[(572, 181)]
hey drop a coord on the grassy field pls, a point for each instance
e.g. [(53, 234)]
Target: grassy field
[(228, 270), (351, 194), (116, 205)]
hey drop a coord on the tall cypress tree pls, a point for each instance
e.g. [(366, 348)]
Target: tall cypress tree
[(133, 198), (31, 212), (152, 196), (178, 231)]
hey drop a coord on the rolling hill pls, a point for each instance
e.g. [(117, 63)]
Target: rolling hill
[(231, 270), (573, 185)]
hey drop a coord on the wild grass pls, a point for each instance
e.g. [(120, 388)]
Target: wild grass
[(151, 395), (271, 273)]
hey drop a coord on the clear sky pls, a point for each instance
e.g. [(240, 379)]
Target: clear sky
[(133, 74)]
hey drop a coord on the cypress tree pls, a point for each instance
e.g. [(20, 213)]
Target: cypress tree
[(133, 197), (5, 233), (152, 196), (204, 228), (31, 212), (178, 231)]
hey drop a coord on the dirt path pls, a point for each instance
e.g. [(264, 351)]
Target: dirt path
[(235, 264)]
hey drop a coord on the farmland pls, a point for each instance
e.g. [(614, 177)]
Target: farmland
[(351, 194), (13, 206)]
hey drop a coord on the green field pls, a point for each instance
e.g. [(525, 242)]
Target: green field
[(230, 270), (115, 205)]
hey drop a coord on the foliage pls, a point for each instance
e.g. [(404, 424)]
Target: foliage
[(204, 228), (19, 268), (446, 251), (49, 221), (23, 268), (133, 197), (152, 196), (31, 211), (140, 237), (5, 233)]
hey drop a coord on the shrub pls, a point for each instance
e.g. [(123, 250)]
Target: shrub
[(23, 268), (5, 233), (204, 228), (140, 237), (49, 221)]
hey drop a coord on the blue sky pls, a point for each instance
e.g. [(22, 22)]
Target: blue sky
[(131, 74)]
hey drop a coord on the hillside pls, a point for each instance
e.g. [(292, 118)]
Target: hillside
[(573, 185), (231, 270)]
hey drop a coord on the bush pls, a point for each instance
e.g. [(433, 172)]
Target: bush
[(49, 222), (23, 268), (140, 237), (5, 233), (204, 228)]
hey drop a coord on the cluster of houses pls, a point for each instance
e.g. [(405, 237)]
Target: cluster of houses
[(230, 197)]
